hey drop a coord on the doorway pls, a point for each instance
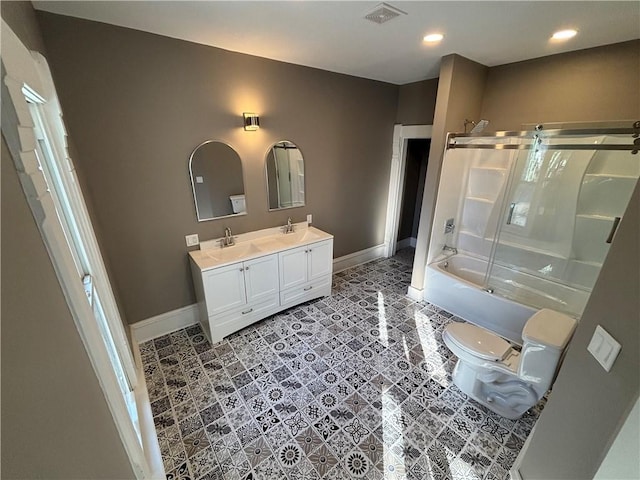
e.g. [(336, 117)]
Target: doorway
[(416, 161)]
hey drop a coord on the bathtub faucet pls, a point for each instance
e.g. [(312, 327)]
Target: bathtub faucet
[(447, 248)]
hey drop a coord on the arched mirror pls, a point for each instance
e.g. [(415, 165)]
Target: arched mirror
[(285, 176), (217, 181)]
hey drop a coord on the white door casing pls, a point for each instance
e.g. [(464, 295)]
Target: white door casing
[(401, 135)]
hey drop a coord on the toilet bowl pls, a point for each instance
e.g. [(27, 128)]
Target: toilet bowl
[(238, 204), (495, 374)]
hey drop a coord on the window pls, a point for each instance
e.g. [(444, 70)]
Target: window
[(55, 199)]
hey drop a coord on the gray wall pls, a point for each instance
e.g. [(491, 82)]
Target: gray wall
[(588, 405), (137, 104), (55, 420), (597, 84), (417, 102), (460, 89)]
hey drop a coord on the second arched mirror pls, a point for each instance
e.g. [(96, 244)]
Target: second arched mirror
[(285, 176)]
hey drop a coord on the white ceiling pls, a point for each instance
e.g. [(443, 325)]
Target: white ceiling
[(334, 35)]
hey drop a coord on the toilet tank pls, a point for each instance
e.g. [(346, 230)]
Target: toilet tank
[(238, 204), (545, 336)]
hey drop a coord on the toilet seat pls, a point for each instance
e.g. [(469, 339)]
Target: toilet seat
[(478, 341)]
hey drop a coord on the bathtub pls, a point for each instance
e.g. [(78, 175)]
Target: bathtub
[(456, 284)]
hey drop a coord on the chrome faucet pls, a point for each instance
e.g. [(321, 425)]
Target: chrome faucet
[(289, 227), (228, 239), (447, 248)]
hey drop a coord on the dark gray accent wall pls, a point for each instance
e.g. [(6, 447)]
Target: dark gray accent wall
[(55, 420), (588, 405), (137, 104)]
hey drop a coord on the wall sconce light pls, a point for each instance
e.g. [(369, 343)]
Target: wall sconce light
[(251, 121)]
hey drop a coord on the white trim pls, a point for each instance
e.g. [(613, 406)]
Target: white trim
[(415, 294), (24, 74), (150, 443), (514, 473), (358, 258), (407, 242), (164, 323), (53, 113), (401, 133)]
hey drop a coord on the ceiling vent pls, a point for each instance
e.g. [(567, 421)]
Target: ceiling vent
[(383, 13)]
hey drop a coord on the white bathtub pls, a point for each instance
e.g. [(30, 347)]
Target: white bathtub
[(457, 285)]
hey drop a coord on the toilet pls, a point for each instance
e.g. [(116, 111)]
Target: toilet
[(238, 204), (495, 374)]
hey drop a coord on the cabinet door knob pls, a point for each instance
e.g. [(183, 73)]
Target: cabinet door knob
[(246, 268), (241, 269)]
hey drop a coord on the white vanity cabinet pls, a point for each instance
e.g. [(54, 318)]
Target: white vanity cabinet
[(253, 279), (305, 272), (238, 295)]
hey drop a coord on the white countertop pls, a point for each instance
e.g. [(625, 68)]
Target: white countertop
[(255, 244)]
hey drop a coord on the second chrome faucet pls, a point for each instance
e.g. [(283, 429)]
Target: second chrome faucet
[(289, 227)]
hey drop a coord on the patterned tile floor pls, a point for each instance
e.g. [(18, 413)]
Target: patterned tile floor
[(356, 385)]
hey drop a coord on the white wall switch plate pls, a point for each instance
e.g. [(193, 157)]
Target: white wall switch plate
[(192, 240), (604, 348), (309, 219), (199, 179)]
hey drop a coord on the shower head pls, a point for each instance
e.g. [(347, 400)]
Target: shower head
[(480, 126)]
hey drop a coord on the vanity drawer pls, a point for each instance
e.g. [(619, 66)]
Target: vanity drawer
[(317, 288), (224, 324)]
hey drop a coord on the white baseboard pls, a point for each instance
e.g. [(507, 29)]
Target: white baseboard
[(415, 294), (407, 242), (164, 323), (358, 258)]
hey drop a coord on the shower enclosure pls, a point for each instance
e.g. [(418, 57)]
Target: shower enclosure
[(531, 216)]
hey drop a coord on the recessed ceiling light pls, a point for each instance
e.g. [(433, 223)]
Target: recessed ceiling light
[(433, 37), (564, 34)]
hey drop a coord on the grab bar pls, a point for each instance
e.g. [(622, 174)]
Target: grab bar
[(512, 207), (614, 227)]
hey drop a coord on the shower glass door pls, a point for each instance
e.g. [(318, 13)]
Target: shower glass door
[(564, 201)]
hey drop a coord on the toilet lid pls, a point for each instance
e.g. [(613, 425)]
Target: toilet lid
[(478, 341)]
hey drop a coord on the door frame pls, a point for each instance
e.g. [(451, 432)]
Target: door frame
[(401, 135)]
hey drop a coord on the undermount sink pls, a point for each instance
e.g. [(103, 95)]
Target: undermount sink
[(233, 252)]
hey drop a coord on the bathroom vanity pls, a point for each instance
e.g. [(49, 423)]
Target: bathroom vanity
[(263, 273)]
